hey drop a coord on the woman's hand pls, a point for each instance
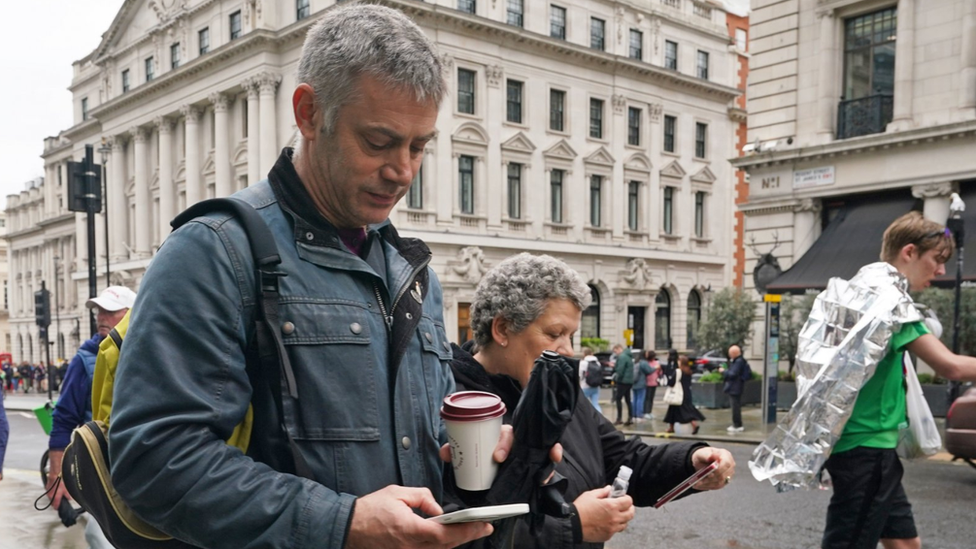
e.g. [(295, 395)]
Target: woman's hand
[(721, 476), (601, 516)]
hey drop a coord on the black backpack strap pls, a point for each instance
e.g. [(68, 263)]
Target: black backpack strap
[(116, 337), (275, 365)]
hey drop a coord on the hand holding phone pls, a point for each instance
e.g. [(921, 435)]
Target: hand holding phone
[(483, 514), (687, 484)]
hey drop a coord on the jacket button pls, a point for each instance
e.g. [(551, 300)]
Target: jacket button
[(405, 441), (447, 346), (409, 316), (356, 328), (309, 236), (287, 328), (430, 338)]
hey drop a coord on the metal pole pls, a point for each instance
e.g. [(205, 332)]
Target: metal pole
[(90, 206), (956, 225), (104, 150), (57, 306)]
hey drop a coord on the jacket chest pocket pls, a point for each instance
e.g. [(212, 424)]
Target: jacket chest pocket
[(329, 345), (436, 358)]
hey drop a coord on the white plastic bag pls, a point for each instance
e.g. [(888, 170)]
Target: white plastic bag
[(921, 437), (675, 395)]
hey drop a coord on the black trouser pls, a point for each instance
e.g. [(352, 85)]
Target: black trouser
[(623, 390), (649, 399), (736, 401)]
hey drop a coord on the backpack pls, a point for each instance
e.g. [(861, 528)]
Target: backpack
[(86, 470), (746, 373), (594, 373)]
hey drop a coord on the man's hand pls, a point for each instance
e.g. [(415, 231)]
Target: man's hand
[(720, 477), (385, 518), (601, 516), (505, 441), (54, 461)]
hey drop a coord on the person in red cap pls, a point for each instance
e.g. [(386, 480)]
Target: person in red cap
[(74, 404)]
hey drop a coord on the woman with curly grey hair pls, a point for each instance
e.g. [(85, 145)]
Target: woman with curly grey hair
[(528, 304)]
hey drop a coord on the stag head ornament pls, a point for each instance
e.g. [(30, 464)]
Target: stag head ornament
[(767, 266)]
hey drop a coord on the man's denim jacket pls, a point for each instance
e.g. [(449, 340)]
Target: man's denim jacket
[(368, 409)]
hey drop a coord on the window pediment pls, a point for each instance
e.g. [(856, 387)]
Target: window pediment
[(673, 170), (471, 133), (561, 150), (639, 162), (600, 156), (704, 176), (518, 143)]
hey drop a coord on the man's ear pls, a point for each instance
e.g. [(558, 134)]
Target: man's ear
[(308, 115), (908, 252)]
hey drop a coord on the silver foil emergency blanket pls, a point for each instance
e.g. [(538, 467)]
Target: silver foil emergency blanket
[(839, 347)]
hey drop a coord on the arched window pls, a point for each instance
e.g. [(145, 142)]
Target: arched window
[(590, 324), (662, 320), (694, 318)]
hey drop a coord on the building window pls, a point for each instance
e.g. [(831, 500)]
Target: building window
[(466, 91), (633, 205), (596, 118), (633, 126), (235, 25), (557, 110), (204, 37), (694, 318), (669, 125), (466, 181), (174, 56), (662, 320), (415, 196), (700, 214), (596, 194), (668, 210), (636, 44), (703, 65), (869, 74), (150, 69), (125, 80), (514, 191), (742, 40), (84, 108), (590, 323), (670, 55), (598, 30), (557, 22), (513, 112), (701, 135), (556, 195), (516, 10), (301, 9), (467, 6)]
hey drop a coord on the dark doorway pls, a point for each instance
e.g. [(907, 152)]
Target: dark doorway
[(635, 322)]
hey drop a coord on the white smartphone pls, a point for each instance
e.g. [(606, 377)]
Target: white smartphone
[(483, 514)]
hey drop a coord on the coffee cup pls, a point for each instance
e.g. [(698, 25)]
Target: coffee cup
[(474, 423)]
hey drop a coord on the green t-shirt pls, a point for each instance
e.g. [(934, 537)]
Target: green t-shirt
[(879, 411)]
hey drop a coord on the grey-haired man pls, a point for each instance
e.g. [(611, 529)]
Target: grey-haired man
[(361, 318)]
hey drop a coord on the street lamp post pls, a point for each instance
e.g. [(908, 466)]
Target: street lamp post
[(57, 307), (956, 225), (103, 150)]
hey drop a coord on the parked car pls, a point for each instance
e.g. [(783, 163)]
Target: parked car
[(709, 361), (960, 433)]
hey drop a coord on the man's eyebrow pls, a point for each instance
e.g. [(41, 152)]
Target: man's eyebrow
[(397, 137)]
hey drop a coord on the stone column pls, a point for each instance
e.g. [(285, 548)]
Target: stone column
[(904, 67), (616, 192), (253, 140), (268, 83), (223, 185), (806, 226), (937, 197), (141, 223), (496, 204), (967, 88), (167, 188), (118, 213), (194, 184), (827, 90)]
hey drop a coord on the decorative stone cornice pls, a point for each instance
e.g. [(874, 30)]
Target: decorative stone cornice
[(813, 205), (932, 190)]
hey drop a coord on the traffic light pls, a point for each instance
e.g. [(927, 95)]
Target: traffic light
[(42, 307)]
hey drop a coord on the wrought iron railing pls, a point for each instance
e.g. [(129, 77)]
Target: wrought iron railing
[(864, 116)]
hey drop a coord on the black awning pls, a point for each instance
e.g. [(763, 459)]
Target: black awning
[(967, 191), (850, 241)]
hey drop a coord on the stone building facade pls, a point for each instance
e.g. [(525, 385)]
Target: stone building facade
[(855, 100), (598, 132)]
